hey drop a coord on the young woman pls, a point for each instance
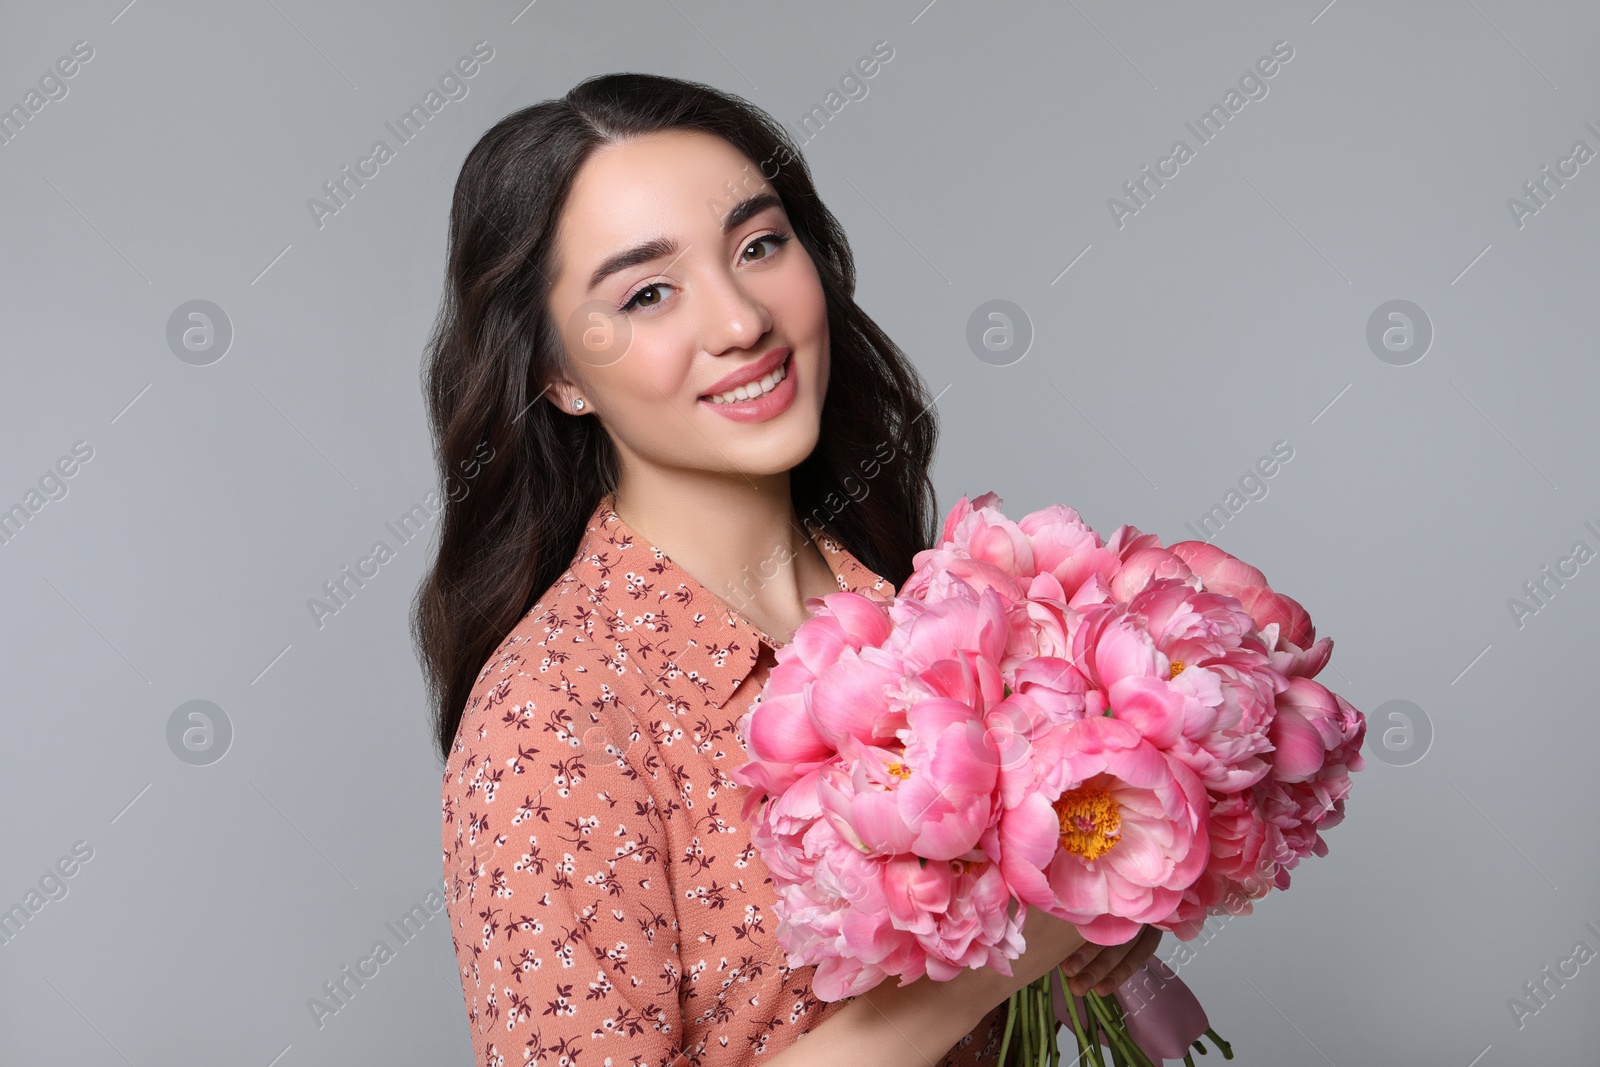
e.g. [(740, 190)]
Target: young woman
[(671, 425)]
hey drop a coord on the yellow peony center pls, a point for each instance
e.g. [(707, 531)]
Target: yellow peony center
[(1177, 669), (1090, 824), (899, 770)]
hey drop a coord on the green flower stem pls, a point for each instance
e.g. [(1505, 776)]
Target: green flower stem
[(1114, 1030), (1227, 1049), (1036, 1046), (1052, 1032), (1113, 1008), (1030, 1048), (1082, 1029), (1022, 1032), (1091, 1026), (1005, 1038), (1072, 1013)]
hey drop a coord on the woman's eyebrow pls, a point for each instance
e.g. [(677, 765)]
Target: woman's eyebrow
[(661, 247)]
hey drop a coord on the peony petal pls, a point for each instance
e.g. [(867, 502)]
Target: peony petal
[(1297, 747), (1153, 707), (850, 697), (875, 817), (1109, 930), (1027, 841), (782, 731), (1124, 650), (952, 833)]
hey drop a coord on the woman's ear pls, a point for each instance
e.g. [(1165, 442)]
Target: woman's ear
[(566, 397)]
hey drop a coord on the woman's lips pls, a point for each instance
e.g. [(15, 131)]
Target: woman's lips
[(746, 375), (763, 407)]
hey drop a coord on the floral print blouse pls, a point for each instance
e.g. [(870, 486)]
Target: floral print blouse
[(606, 904)]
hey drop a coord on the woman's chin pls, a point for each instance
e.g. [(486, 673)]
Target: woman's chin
[(787, 446)]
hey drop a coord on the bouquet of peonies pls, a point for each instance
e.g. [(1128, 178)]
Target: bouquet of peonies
[(1112, 731)]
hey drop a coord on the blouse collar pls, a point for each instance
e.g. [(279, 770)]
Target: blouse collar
[(705, 639)]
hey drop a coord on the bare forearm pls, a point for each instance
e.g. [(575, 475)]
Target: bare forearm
[(895, 1026)]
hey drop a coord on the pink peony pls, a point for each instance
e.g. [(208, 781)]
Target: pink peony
[(1239, 870), (785, 731), (983, 547), (1193, 651), (1320, 736), (1112, 833), (1260, 834), (1293, 639)]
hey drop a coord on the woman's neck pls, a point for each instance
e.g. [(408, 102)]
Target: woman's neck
[(739, 537)]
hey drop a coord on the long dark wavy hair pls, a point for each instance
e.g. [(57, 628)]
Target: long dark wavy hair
[(529, 476)]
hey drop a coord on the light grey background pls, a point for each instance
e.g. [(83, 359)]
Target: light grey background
[(1229, 313)]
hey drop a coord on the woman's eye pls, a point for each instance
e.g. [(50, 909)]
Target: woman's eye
[(778, 241), (637, 299)]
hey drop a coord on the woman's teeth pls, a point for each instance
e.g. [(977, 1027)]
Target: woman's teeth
[(759, 387)]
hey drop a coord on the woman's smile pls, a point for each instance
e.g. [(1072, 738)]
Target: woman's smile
[(759, 399)]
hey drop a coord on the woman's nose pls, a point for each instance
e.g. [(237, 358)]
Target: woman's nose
[(731, 317)]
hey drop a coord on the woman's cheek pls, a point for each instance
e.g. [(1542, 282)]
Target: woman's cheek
[(653, 374)]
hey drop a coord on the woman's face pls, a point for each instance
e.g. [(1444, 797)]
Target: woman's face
[(670, 281)]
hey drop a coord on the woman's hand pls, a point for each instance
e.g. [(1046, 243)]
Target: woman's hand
[(1103, 968), (1049, 941)]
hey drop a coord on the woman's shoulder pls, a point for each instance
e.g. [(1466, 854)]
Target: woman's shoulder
[(551, 649)]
